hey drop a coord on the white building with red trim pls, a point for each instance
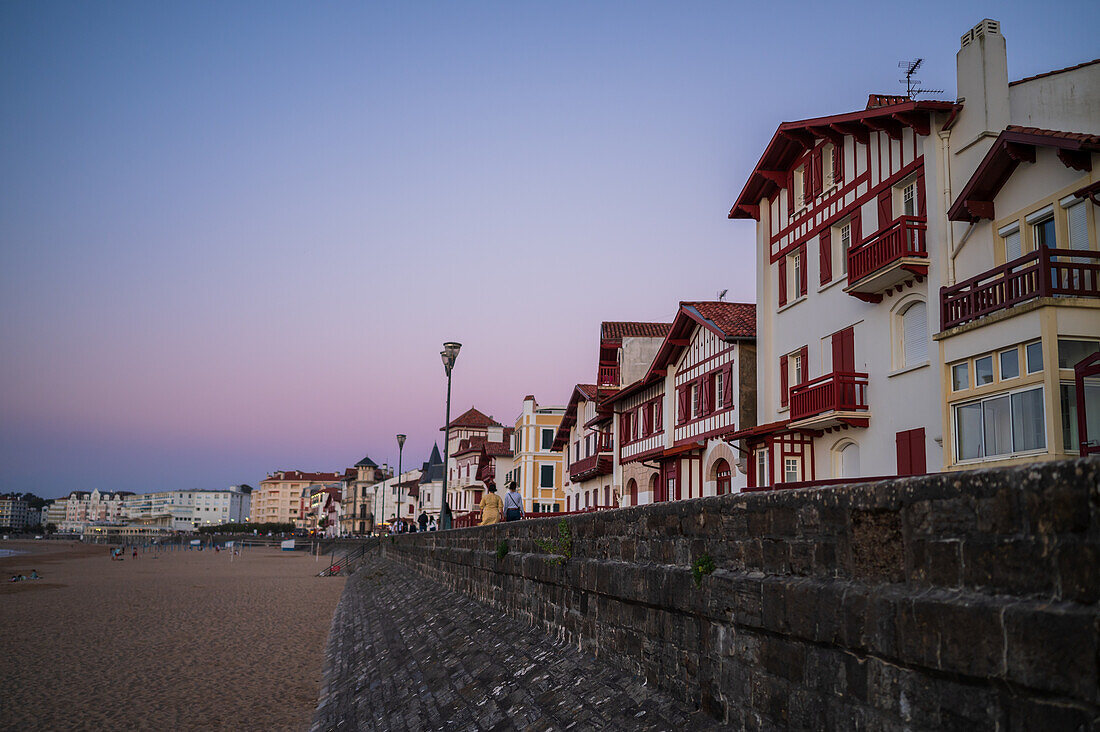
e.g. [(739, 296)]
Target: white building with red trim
[(672, 425), (585, 439)]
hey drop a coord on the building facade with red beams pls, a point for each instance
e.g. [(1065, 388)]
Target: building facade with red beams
[(584, 437), (672, 426)]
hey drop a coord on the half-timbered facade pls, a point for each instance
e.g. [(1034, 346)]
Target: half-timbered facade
[(699, 389), (848, 251), (586, 441)]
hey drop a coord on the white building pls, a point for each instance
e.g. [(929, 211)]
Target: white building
[(14, 514), (97, 507), (187, 510)]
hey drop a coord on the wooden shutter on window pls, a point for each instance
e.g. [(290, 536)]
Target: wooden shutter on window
[(706, 386), (659, 409), (805, 354), (783, 380), (857, 228), (818, 166), (624, 427), (802, 270), (911, 452), (922, 210), (727, 388), (826, 257), (885, 209), (682, 395), (902, 439), (844, 353), (838, 162), (790, 193), (782, 280)]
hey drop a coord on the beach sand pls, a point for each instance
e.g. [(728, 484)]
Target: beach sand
[(190, 640)]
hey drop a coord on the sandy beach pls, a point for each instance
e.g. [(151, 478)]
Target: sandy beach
[(186, 641)]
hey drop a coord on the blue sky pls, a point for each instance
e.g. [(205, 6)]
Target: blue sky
[(234, 235)]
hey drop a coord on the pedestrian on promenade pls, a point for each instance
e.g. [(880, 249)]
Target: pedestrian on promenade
[(513, 503), (490, 506), (432, 524), (422, 519)]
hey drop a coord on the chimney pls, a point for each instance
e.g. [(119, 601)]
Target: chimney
[(495, 434), (982, 82)]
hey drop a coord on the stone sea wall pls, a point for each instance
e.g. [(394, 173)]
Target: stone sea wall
[(945, 601)]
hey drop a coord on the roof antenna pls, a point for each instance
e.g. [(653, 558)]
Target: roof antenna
[(912, 86), (722, 295)]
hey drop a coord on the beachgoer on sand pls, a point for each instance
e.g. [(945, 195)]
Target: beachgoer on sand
[(490, 506)]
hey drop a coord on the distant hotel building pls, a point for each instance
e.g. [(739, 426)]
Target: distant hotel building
[(13, 513), (279, 497), (536, 467), (188, 510)]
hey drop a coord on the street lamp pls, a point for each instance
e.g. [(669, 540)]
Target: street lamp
[(400, 450), (449, 355)]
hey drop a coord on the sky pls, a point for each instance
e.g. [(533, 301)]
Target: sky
[(234, 236)]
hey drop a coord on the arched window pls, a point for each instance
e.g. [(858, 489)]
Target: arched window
[(722, 476), (632, 487), (846, 460), (913, 332)]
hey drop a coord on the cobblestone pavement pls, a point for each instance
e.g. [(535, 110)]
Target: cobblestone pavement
[(408, 654)]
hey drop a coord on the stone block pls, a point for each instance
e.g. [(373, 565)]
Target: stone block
[(1053, 647)]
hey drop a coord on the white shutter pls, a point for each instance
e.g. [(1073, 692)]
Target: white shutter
[(915, 328), (1012, 246), (1078, 226)]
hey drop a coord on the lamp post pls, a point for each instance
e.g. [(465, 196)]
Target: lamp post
[(449, 354), (400, 450)]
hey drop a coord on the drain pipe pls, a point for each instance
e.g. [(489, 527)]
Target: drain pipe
[(945, 151)]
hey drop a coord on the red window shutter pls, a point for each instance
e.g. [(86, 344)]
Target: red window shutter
[(783, 388), (727, 388), (921, 203), (790, 193), (646, 417), (857, 228), (682, 399), (707, 387), (826, 257), (838, 162), (782, 281), (818, 165), (917, 460), (624, 427), (802, 270), (844, 352), (902, 439), (885, 209), (805, 354)]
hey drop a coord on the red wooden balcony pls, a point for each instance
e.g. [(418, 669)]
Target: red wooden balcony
[(608, 375), (590, 467), (1042, 273), (830, 401), (889, 259)]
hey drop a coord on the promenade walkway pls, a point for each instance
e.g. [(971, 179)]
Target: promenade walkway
[(408, 654)]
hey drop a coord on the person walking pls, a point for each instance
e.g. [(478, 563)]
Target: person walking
[(433, 525), (422, 519), (490, 506), (513, 503)]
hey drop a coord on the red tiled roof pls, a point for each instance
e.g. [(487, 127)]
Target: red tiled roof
[(588, 391), (613, 330), (472, 418), (1056, 71), (498, 449), (1014, 144), (734, 319)]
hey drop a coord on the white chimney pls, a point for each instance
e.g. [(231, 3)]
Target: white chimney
[(982, 82)]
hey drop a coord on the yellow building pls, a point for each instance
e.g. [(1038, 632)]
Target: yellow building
[(536, 467), (279, 498)]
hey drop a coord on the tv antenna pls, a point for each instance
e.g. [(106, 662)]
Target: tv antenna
[(722, 295), (912, 86)]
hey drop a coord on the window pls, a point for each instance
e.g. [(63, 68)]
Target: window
[(1042, 230), (914, 341), (797, 368), (1010, 364), (547, 439), (695, 399), (1077, 224), (845, 239), (799, 188), (1071, 351), (1010, 237), (1000, 425), (719, 379), (546, 476), (909, 199), (792, 472), (983, 371), (762, 467), (1034, 357), (960, 376), (1071, 440), (655, 414)]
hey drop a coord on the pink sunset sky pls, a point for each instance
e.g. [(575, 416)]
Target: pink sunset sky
[(235, 236)]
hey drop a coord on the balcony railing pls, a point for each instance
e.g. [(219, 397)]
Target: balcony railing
[(590, 467), (900, 244), (1041, 273), (835, 392), (608, 375)]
